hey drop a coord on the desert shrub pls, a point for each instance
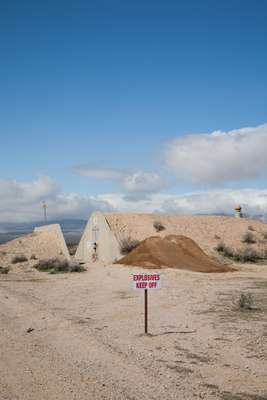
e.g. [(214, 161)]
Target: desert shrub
[(4, 270), (75, 267), (127, 244), (19, 259), (248, 237), (224, 250), (3, 253), (57, 266), (264, 235), (72, 247), (217, 237), (228, 252), (247, 255), (250, 228), (33, 257), (245, 301), (220, 247), (45, 265), (61, 266), (158, 226)]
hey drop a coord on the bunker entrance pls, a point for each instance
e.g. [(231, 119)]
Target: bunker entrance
[(95, 242)]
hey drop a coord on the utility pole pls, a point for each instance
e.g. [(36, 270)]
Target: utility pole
[(44, 206)]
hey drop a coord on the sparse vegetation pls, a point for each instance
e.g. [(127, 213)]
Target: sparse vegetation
[(247, 255), (33, 257), (158, 226), (56, 266), (248, 238), (4, 270), (220, 247), (72, 247), (19, 259), (217, 237), (127, 244), (264, 235), (245, 301), (250, 228)]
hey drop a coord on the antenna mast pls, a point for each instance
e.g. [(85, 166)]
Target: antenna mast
[(44, 206)]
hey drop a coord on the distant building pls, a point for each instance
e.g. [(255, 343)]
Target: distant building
[(238, 211)]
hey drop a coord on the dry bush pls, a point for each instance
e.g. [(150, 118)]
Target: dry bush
[(127, 244), (56, 266), (247, 255), (19, 259), (159, 226), (245, 301), (4, 270), (248, 237), (72, 247), (250, 228), (220, 247), (264, 235)]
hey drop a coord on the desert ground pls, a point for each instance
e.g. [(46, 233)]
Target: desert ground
[(80, 336)]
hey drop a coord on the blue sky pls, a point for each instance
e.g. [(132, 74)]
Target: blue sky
[(111, 84)]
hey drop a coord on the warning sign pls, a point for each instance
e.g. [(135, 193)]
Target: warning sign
[(146, 281)]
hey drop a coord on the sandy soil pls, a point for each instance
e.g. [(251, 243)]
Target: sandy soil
[(207, 231), (87, 340), (173, 251)]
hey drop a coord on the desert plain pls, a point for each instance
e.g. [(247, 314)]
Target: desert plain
[(80, 336)]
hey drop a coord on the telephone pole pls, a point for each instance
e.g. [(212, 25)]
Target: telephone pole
[(44, 206)]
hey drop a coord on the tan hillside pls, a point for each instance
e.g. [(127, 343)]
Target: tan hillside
[(206, 231)]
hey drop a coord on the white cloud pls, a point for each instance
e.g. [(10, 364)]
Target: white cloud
[(132, 182), (99, 173), (142, 182), (253, 201), (219, 157), (21, 201)]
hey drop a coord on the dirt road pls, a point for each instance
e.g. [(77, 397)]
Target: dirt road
[(80, 336)]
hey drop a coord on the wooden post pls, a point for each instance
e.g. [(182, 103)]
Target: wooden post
[(146, 311)]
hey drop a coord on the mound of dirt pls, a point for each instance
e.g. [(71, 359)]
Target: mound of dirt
[(172, 251)]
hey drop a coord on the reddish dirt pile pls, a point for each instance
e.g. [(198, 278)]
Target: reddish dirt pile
[(172, 251)]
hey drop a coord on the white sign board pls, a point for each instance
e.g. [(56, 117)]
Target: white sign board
[(146, 281)]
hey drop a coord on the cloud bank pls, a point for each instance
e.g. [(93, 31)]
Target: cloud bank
[(131, 182), (219, 157), (21, 202)]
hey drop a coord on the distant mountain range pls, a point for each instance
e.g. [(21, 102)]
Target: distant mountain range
[(72, 228)]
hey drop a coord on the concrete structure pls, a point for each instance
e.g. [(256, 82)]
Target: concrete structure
[(49, 242), (110, 229), (238, 211), (98, 232)]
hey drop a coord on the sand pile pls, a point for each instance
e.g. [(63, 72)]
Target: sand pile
[(174, 251)]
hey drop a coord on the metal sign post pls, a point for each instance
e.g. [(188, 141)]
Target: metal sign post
[(146, 325), (146, 282)]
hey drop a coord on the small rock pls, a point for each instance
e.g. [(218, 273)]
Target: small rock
[(29, 330)]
